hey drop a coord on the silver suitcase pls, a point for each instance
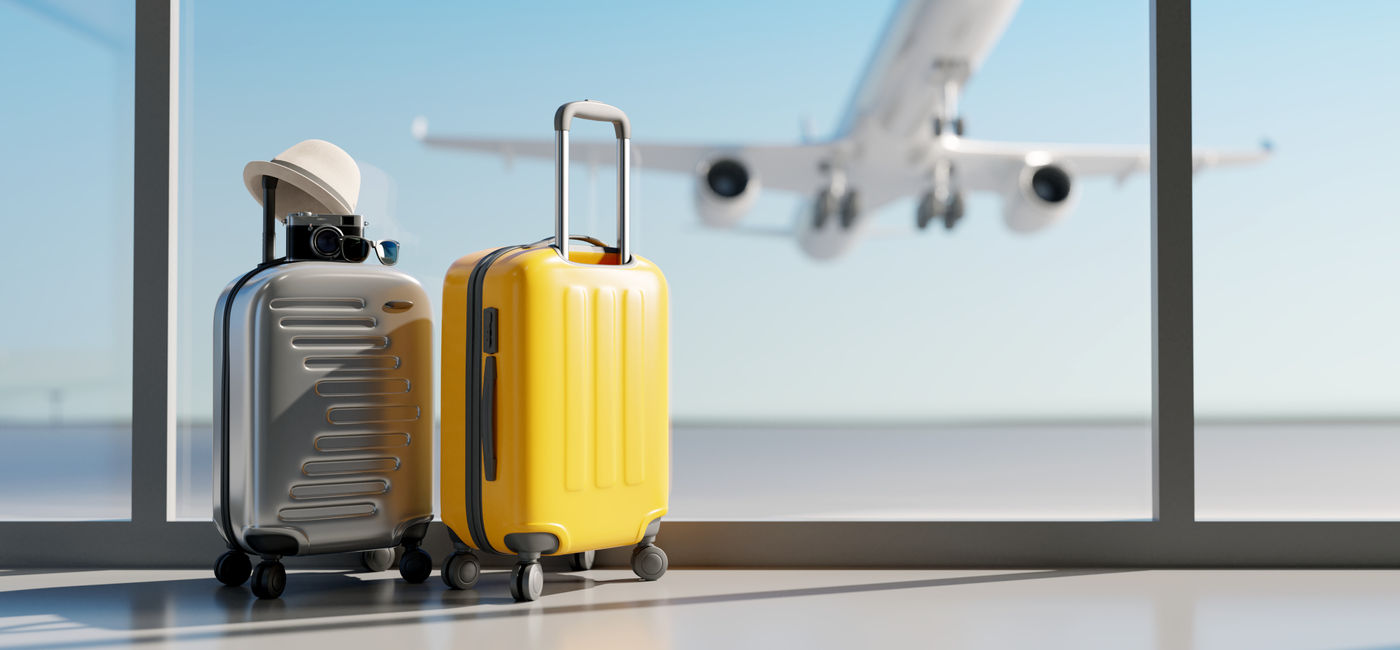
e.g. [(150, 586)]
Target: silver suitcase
[(323, 417)]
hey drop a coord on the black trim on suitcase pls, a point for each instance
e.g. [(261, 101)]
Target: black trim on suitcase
[(269, 219), (488, 419), (475, 523), (229, 535), (475, 397)]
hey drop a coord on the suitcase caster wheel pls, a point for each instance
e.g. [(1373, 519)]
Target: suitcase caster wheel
[(581, 561), (649, 562), (233, 568), (269, 579), (379, 559), (526, 581), (416, 565), (461, 570)]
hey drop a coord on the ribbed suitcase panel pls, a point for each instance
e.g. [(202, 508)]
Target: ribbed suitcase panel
[(634, 387), (330, 399), (607, 390), (578, 421), (604, 388), (357, 400)]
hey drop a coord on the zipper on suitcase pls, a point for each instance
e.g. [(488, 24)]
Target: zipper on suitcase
[(474, 396), (227, 518), (478, 454)]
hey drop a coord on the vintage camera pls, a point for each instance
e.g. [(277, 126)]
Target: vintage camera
[(326, 237)]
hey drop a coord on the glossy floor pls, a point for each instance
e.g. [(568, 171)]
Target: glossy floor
[(717, 609)]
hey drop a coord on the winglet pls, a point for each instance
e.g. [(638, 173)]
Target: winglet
[(420, 128)]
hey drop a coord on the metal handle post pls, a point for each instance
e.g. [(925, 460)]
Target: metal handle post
[(269, 193), (597, 111)]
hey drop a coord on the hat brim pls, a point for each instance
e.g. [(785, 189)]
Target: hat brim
[(254, 171)]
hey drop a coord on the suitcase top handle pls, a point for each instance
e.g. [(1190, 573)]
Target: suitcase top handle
[(591, 110), (600, 112)]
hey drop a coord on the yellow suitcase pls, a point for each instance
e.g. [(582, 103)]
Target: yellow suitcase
[(555, 406)]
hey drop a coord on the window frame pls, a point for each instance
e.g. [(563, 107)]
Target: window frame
[(1172, 538)]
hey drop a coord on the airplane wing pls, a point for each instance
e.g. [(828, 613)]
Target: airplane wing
[(986, 166), (782, 167)]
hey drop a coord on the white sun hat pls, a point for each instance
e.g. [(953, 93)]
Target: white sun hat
[(313, 176)]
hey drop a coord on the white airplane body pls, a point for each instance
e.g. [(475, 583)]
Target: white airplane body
[(902, 135)]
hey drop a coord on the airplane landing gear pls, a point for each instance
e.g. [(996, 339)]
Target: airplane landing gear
[(850, 209), (955, 125), (930, 209), (845, 205), (823, 207)]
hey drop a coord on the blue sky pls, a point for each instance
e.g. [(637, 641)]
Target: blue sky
[(1294, 258)]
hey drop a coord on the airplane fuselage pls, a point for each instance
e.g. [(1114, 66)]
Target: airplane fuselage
[(886, 141)]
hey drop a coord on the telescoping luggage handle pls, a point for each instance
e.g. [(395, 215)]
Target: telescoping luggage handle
[(269, 188), (600, 112)]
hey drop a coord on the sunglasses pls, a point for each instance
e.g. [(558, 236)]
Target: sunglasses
[(328, 241), (356, 249)]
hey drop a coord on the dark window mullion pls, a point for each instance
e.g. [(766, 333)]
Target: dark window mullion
[(1173, 390)]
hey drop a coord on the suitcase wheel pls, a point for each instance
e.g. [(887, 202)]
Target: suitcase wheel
[(416, 565), (581, 561), (269, 579), (379, 559), (649, 562), (526, 581), (233, 568), (461, 570)]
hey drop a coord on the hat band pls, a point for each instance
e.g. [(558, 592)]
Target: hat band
[(322, 184)]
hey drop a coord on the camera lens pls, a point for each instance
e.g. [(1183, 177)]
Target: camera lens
[(326, 242)]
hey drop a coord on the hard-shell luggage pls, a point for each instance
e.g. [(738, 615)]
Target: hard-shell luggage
[(555, 420), (323, 410)]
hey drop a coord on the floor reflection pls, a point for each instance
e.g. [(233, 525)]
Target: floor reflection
[(202, 601), (609, 608)]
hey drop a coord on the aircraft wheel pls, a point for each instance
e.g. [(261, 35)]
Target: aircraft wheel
[(822, 208), (925, 214), (954, 213), (850, 209)]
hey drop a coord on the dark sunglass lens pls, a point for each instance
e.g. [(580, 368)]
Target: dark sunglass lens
[(389, 252), (355, 249)]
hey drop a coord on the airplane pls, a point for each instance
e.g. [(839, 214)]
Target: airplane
[(902, 135)]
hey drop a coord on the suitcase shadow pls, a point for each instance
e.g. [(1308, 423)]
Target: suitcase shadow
[(192, 602), (178, 610)]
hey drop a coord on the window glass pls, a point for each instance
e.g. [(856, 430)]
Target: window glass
[(1295, 262), (980, 373), (65, 340)]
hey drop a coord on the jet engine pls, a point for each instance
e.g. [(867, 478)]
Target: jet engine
[(1043, 194), (724, 192)]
